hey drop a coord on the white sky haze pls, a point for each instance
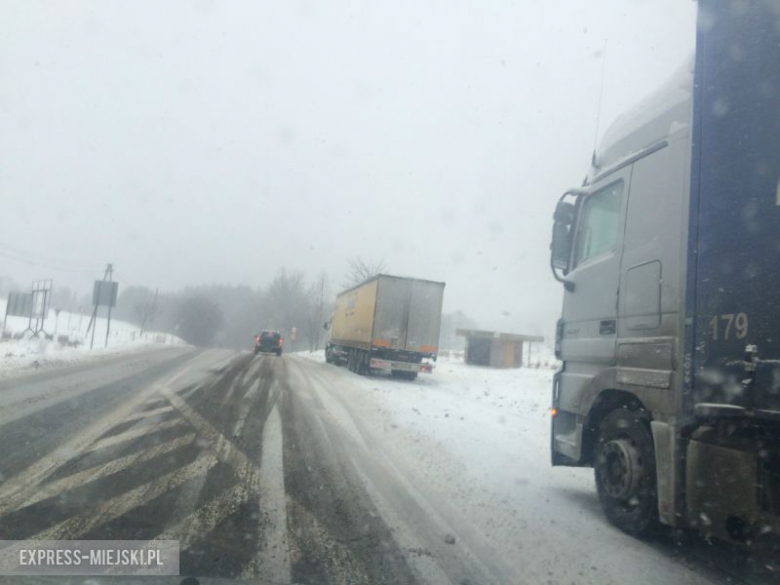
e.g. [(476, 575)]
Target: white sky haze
[(200, 142)]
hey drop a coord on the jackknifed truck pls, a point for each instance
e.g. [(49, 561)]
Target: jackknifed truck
[(669, 257), (387, 323)]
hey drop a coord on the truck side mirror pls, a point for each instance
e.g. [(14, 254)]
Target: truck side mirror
[(564, 213), (560, 247)]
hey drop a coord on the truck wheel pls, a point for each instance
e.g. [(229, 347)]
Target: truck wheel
[(360, 363), (624, 466)]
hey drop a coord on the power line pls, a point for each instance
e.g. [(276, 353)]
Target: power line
[(28, 259), (42, 257)]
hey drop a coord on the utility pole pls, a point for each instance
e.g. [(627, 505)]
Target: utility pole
[(108, 325), (319, 317), (154, 307), (92, 321)]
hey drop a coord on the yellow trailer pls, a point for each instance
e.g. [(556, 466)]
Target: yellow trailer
[(387, 323)]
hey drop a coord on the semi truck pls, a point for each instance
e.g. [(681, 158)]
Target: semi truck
[(387, 323), (669, 258)]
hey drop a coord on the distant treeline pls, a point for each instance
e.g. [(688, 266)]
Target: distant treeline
[(230, 315)]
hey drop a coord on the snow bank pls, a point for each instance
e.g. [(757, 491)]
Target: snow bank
[(67, 340)]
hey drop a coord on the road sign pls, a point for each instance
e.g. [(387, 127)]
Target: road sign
[(104, 293), (19, 304)]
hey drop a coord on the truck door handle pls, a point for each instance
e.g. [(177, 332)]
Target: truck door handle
[(607, 327)]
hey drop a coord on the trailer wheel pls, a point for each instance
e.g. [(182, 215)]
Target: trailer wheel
[(362, 363), (624, 467), (354, 361)]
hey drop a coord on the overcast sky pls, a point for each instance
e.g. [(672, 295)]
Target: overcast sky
[(199, 142)]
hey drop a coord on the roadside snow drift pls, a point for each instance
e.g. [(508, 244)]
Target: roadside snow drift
[(66, 340)]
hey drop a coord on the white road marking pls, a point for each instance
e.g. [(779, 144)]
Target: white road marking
[(206, 518), (224, 449), (229, 394), (243, 408), (119, 505), (273, 559), (266, 480), (143, 428), (48, 490), (149, 413), (15, 490), (240, 380)]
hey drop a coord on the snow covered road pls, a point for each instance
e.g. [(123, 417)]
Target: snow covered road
[(288, 470)]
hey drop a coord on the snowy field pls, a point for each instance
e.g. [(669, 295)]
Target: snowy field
[(68, 341)]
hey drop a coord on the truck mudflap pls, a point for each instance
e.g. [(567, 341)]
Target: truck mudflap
[(383, 364), (564, 433), (733, 489), (664, 441)]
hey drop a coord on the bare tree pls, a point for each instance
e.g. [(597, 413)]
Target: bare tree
[(361, 270), (317, 308), (199, 320), (146, 311)]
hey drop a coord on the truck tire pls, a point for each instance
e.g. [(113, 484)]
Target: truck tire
[(403, 375), (362, 363), (624, 468)]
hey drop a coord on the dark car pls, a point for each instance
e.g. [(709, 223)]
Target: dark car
[(269, 341)]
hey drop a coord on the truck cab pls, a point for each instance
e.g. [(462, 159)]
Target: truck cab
[(669, 336)]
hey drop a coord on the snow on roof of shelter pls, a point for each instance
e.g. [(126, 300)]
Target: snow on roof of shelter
[(481, 334), (655, 118)]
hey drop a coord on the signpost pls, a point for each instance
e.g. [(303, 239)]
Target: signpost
[(18, 305), (104, 294), (39, 309)]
